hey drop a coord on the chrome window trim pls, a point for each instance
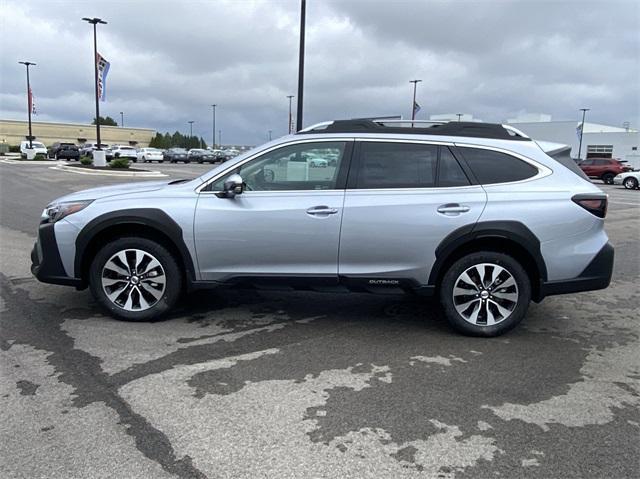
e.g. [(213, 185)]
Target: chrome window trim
[(265, 151)]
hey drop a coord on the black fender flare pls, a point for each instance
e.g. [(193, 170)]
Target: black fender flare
[(150, 217), (507, 230)]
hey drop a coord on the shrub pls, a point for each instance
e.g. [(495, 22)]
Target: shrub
[(119, 163), (40, 157), (14, 149), (86, 160)]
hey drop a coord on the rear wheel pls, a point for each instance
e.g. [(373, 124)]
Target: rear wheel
[(485, 293), (630, 183), (135, 279), (608, 178)]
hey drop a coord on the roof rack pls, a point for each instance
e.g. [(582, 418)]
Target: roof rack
[(420, 127)]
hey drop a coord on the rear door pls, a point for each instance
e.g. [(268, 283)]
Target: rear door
[(402, 199)]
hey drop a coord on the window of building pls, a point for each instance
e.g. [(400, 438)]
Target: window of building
[(490, 166), (599, 151)]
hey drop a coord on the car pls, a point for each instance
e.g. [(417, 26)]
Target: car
[(64, 151), (88, 149), (174, 155), (474, 214), (37, 146), (629, 179), (123, 151), (202, 156), (604, 169), (150, 155)]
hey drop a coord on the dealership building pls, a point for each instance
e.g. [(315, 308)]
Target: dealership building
[(12, 132)]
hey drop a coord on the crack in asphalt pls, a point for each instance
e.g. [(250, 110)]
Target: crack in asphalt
[(37, 327)]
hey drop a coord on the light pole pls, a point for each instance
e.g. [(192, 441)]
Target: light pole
[(220, 138), (584, 112), (121, 119), (191, 122), (459, 115), (303, 10), (290, 125), (213, 129), (94, 22), (29, 101), (413, 104), (270, 134)]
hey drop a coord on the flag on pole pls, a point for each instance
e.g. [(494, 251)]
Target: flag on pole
[(102, 65), (32, 105), (416, 108)]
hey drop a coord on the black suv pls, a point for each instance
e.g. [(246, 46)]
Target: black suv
[(64, 151)]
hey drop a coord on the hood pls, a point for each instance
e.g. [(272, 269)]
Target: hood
[(105, 191)]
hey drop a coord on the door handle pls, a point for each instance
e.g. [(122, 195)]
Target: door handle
[(453, 209), (321, 210)]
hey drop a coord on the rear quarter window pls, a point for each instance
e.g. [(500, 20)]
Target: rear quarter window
[(490, 166)]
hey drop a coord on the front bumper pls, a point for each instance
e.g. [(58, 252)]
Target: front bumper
[(46, 264), (597, 275), (617, 180)]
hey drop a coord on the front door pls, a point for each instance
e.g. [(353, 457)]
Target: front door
[(286, 223), (402, 200)]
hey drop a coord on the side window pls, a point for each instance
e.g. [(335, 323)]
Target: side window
[(396, 165), (450, 173), (305, 166), (494, 167)]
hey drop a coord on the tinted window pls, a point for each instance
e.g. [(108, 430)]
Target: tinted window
[(450, 173), (602, 162), (494, 167), (397, 165), (308, 166)]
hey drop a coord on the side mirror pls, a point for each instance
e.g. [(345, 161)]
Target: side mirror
[(233, 186)]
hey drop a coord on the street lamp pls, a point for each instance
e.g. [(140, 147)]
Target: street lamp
[(213, 130), (303, 10), (220, 138), (459, 115), (290, 122), (584, 112), (29, 101), (95, 22), (270, 134), (122, 119), (413, 104), (191, 122)]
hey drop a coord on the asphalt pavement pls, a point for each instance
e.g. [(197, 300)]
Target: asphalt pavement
[(246, 384)]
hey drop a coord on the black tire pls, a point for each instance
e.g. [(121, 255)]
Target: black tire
[(172, 273), (608, 178), (630, 183), (518, 312)]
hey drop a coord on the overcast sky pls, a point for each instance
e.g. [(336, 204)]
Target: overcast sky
[(171, 59)]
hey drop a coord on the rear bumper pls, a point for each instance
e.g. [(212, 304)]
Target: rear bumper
[(597, 275), (46, 264)]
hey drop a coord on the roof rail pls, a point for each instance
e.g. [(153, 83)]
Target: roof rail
[(423, 127)]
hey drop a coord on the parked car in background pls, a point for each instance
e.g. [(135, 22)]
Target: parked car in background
[(123, 151), (150, 154), (64, 151), (37, 146), (629, 179), (202, 156), (174, 155), (604, 169), (88, 149)]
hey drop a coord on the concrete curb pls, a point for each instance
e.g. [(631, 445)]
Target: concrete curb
[(122, 174), (30, 162)]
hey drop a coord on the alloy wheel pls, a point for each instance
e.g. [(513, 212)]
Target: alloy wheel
[(485, 294), (133, 280)]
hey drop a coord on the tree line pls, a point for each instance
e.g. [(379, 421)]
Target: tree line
[(176, 140)]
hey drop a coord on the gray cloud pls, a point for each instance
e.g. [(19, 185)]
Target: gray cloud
[(171, 60)]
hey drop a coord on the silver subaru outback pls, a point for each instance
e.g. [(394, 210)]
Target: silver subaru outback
[(476, 214)]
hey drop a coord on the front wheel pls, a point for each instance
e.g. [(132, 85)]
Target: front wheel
[(608, 178), (485, 293), (630, 183), (135, 279)]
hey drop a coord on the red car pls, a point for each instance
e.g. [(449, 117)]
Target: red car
[(603, 168)]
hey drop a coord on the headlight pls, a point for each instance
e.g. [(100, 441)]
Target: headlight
[(57, 211)]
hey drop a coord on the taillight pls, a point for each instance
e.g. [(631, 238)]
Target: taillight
[(594, 204)]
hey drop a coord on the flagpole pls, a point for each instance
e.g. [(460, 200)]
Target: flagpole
[(95, 21), (29, 101), (413, 104)]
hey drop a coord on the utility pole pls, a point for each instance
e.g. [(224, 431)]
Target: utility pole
[(94, 22), (303, 10), (29, 101), (122, 119), (584, 112), (213, 129), (413, 103), (290, 119)]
